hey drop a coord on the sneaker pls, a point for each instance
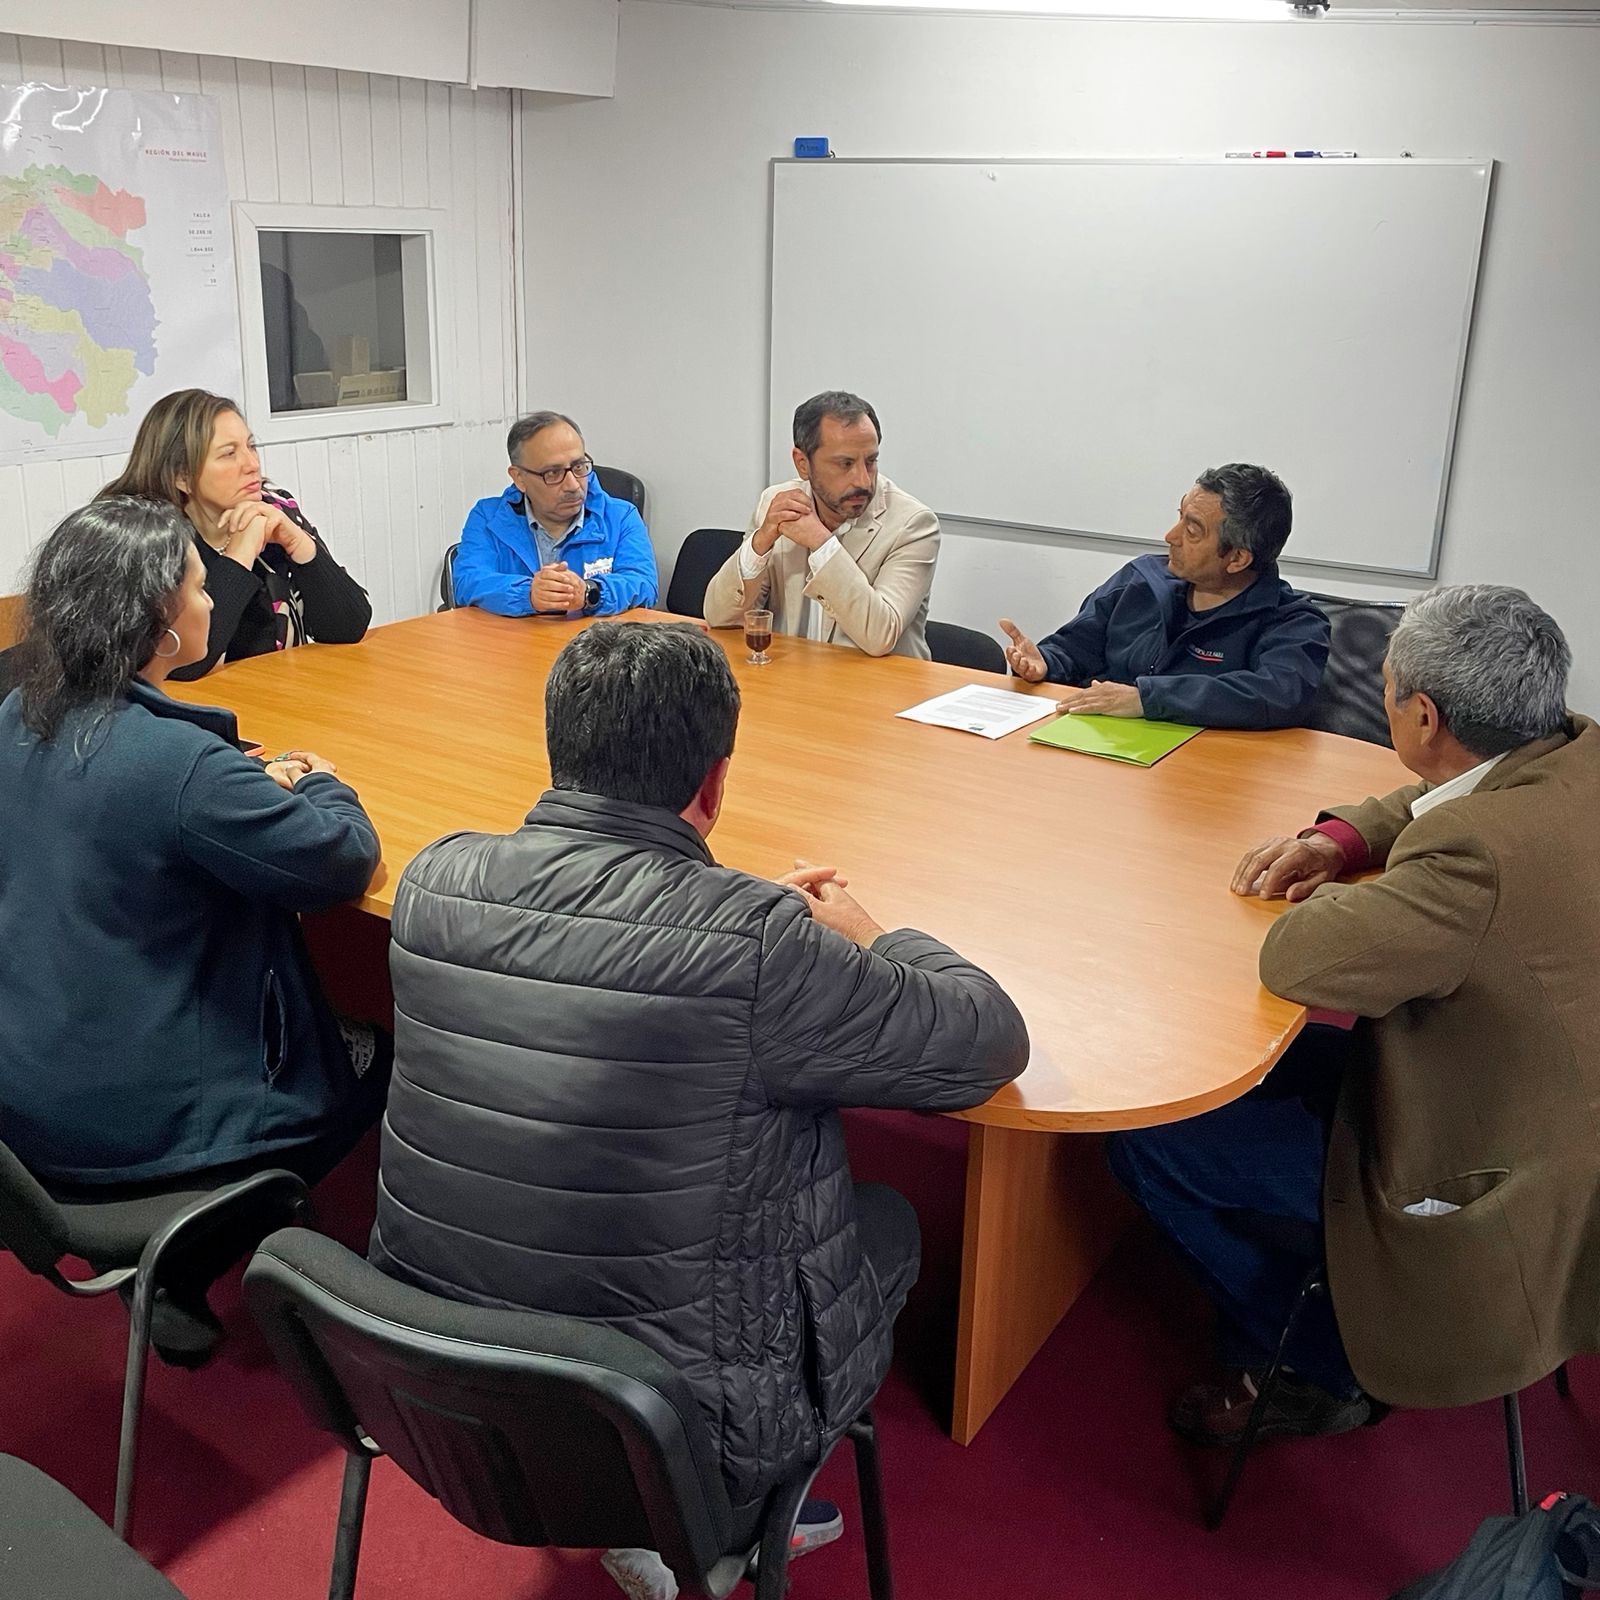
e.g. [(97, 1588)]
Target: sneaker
[(641, 1574), (819, 1523), (1215, 1414)]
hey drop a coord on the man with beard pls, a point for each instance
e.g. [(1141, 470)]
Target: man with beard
[(837, 554)]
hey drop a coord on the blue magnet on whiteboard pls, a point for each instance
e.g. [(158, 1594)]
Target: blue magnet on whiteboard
[(811, 149)]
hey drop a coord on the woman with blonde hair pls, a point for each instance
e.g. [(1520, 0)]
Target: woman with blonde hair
[(273, 583)]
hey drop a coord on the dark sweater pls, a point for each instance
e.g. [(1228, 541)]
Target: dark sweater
[(158, 1011), (276, 604)]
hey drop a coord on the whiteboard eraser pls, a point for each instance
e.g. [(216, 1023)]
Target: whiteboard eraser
[(811, 149)]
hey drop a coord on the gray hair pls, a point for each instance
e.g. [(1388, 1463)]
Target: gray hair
[(1493, 662), (524, 428), (1257, 510)]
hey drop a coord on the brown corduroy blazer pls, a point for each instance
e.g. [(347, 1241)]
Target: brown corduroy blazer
[(1475, 958)]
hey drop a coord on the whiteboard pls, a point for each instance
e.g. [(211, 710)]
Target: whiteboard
[(1065, 345)]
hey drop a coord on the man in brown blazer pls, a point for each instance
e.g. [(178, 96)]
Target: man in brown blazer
[(837, 554), (1460, 1193)]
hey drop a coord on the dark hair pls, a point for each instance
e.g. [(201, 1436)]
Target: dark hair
[(1257, 510), (639, 711), (173, 442), (101, 593), (837, 403), (524, 428)]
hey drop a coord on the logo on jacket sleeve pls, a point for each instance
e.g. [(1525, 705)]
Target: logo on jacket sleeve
[(597, 569), (1211, 657)]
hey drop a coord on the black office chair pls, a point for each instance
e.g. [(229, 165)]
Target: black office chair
[(53, 1547), (1301, 1237), (618, 484), (621, 485), (529, 1429), (965, 647), (447, 579), (699, 558), (130, 1242), (1350, 699)]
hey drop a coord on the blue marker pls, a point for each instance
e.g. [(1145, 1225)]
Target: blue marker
[(1325, 155)]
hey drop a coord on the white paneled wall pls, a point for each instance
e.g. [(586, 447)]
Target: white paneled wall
[(389, 503)]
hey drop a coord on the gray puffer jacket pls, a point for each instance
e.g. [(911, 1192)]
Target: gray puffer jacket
[(617, 1068)]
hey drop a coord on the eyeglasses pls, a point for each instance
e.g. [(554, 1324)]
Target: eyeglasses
[(580, 469)]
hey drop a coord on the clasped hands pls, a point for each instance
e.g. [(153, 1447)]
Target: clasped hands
[(252, 525), (823, 890), (289, 768), (1100, 699), (557, 588), (790, 515)]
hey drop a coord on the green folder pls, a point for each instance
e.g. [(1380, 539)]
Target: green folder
[(1120, 738)]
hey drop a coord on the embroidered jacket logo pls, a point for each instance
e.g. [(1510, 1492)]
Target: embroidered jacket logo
[(1212, 658)]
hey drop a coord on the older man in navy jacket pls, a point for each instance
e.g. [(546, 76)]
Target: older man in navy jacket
[(1208, 633), (555, 541)]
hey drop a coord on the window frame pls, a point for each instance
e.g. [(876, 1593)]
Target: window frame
[(430, 334)]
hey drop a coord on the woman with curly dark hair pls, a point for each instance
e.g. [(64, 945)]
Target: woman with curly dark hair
[(159, 1016)]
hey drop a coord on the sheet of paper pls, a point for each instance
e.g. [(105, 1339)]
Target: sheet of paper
[(992, 713), (1130, 739)]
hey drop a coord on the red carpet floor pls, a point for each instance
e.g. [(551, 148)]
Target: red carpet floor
[(1073, 1490)]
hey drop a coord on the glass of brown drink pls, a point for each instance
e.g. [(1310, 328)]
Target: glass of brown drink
[(757, 636)]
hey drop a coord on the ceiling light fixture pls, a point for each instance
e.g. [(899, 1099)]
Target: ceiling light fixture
[(1133, 10)]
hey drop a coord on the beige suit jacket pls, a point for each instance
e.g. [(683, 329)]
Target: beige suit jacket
[(1477, 1080), (873, 593)]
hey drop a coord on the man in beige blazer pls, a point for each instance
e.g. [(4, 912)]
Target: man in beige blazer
[(1461, 1187), (838, 554)]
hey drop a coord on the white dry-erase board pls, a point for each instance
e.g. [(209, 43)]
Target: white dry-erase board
[(1064, 345)]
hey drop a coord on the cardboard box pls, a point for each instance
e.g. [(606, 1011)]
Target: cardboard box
[(349, 379)]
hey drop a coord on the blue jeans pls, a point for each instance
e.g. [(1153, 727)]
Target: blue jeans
[(1239, 1191)]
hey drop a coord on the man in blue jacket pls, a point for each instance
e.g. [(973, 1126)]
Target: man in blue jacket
[(555, 541), (1208, 633)]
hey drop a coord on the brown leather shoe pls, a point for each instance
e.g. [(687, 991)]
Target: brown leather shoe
[(1214, 1414)]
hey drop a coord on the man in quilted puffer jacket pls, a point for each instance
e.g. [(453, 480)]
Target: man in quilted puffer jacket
[(619, 1067)]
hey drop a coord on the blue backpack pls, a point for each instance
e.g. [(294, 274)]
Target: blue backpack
[(1549, 1553)]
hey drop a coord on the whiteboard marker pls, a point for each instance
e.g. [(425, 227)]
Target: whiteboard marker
[(1326, 155)]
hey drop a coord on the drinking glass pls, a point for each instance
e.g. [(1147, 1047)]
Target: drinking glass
[(757, 636)]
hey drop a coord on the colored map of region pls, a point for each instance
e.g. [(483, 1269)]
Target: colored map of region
[(77, 323)]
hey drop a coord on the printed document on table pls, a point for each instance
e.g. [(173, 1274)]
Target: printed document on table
[(993, 713)]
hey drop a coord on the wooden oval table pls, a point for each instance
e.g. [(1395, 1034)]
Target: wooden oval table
[(1097, 893)]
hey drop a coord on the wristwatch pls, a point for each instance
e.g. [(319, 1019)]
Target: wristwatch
[(591, 594)]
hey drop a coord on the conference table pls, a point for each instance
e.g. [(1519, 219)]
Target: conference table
[(1094, 891)]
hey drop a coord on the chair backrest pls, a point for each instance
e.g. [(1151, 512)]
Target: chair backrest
[(32, 1227), (11, 619), (529, 1429), (699, 557), (447, 579), (1350, 700), (621, 485), (965, 647)]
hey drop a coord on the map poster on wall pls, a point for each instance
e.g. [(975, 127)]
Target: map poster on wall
[(116, 264)]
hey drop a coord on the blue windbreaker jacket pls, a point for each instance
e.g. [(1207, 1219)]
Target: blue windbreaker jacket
[(498, 556)]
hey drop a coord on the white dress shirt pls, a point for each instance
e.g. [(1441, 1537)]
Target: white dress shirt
[(1462, 783), (813, 623)]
